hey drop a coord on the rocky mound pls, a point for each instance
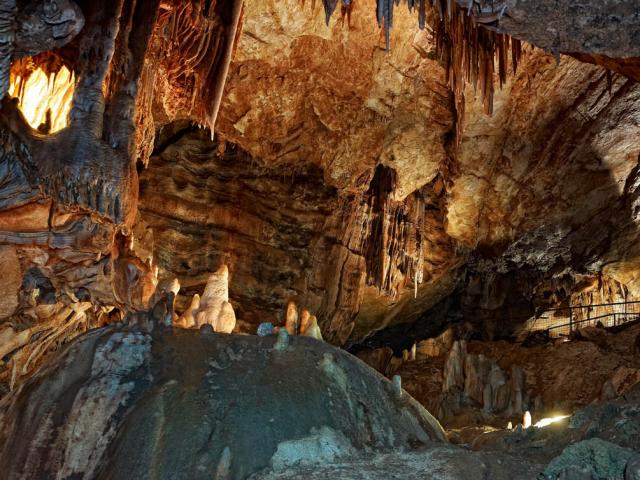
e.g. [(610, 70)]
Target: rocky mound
[(160, 402)]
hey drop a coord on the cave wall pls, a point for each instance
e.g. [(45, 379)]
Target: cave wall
[(344, 173), (68, 199), (287, 235), (512, 216), (299, 90)]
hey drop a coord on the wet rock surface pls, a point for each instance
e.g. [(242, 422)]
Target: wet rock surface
[(197, 404), (191, 403), (599, 442)]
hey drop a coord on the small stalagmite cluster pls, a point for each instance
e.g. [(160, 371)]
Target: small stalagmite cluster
[(213, 307), (479, 380), (303, 323)]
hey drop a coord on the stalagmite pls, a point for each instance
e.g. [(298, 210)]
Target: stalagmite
[(217, 289), (305, 320), (187, 319), (517, 389), (226, 320), (412, 353), (282, 342), (397, 386), (166, 286), (215, 308), (526, 419), (312, 329), (453, 376), (291, 322)]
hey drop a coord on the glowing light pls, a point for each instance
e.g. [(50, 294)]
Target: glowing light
[(548, 421), (526, 419), (41, 95)]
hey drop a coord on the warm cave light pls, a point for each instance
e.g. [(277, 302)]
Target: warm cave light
[(44, 99), (526, 419), (548, 421)]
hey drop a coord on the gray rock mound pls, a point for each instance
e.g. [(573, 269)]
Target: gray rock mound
[(134, 402)]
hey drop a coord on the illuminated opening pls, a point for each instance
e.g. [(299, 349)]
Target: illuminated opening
[(548, 421), (44, 98)]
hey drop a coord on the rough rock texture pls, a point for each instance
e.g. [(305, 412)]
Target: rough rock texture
[(594, 458), (232, 404), (544, 190), (63, 271), (608, 28), (344, 188), (536, 199), (601, 436), (546, 379), (286, 235), (561, 138), (598, 442), (145, 388), (330, 95)]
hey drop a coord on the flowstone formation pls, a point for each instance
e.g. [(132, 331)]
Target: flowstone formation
[(69, 186), (196, 404)]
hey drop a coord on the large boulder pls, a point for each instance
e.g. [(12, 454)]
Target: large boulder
[(148, 401)]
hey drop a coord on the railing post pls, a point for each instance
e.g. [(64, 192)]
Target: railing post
[(570, 320)]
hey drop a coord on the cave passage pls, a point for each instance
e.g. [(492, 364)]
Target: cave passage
[(351, 239)]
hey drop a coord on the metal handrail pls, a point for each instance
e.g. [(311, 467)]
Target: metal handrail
[(570, 307), (618, 316), (578, 322)]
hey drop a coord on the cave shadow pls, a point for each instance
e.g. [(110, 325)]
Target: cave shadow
[(502, 285)]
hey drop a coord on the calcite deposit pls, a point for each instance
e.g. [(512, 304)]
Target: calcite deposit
[(192, 402), (235, 193)]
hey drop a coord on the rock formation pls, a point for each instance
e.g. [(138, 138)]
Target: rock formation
[(424, 186), (213, 306), (124, 387)]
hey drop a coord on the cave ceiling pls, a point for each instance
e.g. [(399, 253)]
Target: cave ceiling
[(380, 166)]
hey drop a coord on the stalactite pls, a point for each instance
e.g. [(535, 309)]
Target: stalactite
[(393, 244), (466, 40), (346, 10), (196, 42), (329, 8)]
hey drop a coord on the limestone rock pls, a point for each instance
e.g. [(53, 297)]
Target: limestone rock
[(187, 319), (391, 106), (291, 319), (435, 347), (214, 307), (173, 385), (625, 378), (601, 458), (10, 280), (378, 358), (454, 369)]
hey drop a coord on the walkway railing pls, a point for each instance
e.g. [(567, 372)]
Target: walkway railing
[(563, 321)]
